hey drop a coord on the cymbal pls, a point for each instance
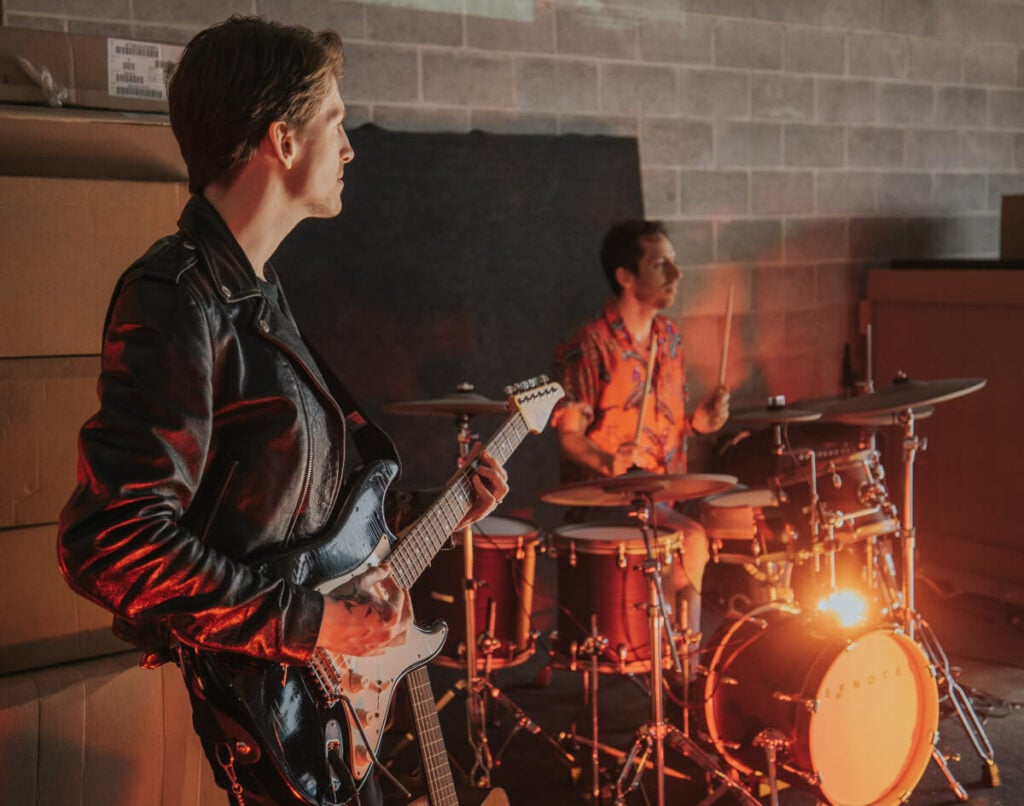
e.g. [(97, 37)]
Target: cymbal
[(775, 414), (457, 403), (620, 491), (902, 394), (866, 420)]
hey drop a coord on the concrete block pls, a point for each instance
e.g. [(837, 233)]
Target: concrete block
[(637, 89), (854, 192), (1018, 150), (819, 330), (38, 22), (561, 85), (840, 283), (1006, 109), (357, 115), (967, 106), (934, 60), (871, 147), (714, 93), (685, 42), (807, 146), (714, 193), (380, 73), (395, 24), (123, 30), (491, 33), (347, 18), (813, 50), (757, 145), (159, 32), (966, 236), (990, 64), (752, 45), (847, 101), (863, 14), (421, 118), (781, 192), (782, 288), (955, 193), (506, 122), (806, 11), (724, 8), (987, 22), (661, 192), (664, 141), (199, 14), (598, 124), (878, 238), (606, 36), (781, 97), (814, 239), (748, 241), (987, 150), (904, 194), (899, 104), (451, 77), (693, 242), (917, 17), (932, 149), (878, 55)]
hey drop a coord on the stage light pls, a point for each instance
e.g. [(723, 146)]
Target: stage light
[(848, 607)]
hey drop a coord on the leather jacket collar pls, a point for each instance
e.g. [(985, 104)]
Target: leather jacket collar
[(233, 275)]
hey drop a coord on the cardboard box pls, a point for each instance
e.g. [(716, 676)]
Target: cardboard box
[(1011, 228), (67, 241), (38, 141), (97, 72)]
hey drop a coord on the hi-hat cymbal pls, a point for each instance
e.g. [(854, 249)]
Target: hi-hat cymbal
[(902, 394), (620, 491), (455, 404)]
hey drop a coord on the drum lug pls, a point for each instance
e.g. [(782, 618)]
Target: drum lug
[(572, 553), (810, 705), (724, 680), (620, 556)]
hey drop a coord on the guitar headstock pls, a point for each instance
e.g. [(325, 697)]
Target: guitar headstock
[(535, 399)]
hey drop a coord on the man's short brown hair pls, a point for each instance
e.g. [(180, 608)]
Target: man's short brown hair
[(236, 78), (622, 246)]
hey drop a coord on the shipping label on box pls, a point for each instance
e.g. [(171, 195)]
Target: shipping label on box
[(139, 69)]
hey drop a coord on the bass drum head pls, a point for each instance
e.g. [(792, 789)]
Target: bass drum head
[(857, 710)]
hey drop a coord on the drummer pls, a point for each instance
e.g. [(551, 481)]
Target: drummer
[(603, 367)]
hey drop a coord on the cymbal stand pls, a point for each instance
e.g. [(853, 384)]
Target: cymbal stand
[(652, 737), (918, 629), (479, 687)]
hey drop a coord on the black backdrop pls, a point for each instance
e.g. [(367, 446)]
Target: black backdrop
[(458, 258)]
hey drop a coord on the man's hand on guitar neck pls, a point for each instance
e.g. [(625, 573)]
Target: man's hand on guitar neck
[(366, 615), (490, 483)]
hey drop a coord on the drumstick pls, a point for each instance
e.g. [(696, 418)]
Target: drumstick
[(647, 387), (725, 339)]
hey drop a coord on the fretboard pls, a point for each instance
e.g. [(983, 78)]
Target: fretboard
[(440, 785), (430, 532)]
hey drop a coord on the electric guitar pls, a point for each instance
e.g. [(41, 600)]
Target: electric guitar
[(321, 725)]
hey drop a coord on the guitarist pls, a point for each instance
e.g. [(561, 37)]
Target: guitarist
[(217, 440)]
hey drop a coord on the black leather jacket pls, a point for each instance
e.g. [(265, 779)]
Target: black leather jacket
[(216, 443)]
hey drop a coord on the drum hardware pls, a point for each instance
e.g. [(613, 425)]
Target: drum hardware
[(480, 690), (772, 741)]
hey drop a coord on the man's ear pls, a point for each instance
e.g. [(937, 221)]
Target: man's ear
[(280, 139), (625, 277)]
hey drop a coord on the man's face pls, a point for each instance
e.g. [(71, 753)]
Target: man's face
[(323, 151), (657, 276)]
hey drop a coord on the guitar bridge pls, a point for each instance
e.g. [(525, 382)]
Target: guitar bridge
[(326, 678)]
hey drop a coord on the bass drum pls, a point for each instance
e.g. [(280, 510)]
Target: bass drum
[(856, 712)]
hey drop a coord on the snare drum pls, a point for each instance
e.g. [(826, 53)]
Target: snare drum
[(851, 492), (599, 575), (504, 561), (855, 711)]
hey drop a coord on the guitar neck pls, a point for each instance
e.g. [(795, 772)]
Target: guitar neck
[(440, 784), (430, 532)]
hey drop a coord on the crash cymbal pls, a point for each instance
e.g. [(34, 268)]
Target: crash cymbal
[(902, 394), (775, 412), (868, 420), (455, 404), (620, 491)]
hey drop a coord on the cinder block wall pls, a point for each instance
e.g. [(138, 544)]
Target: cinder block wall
[(789, 143)]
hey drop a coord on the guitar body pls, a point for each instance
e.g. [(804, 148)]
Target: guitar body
[(319, 726)]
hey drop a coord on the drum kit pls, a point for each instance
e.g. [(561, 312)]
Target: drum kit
[(785, 693)]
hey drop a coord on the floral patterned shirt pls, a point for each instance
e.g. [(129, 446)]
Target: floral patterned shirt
[(601, 364)]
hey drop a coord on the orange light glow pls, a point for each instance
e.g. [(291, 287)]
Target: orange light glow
[(848, 607)]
